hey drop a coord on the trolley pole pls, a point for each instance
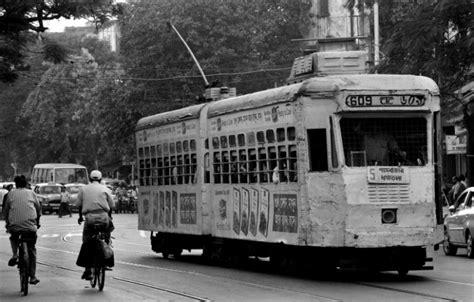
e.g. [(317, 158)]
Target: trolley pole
[(190, 52)]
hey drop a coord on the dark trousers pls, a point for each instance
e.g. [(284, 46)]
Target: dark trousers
[(64, 209), (30, 238)]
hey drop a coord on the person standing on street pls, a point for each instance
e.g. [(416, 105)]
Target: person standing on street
[(95, 203), (64, 208), (22, 216)]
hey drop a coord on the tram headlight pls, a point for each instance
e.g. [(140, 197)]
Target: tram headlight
[(389, 215)]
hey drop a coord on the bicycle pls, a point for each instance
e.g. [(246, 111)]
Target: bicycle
[(99, 266), (23, 263)]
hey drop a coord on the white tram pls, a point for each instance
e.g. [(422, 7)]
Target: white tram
[(338, 170)]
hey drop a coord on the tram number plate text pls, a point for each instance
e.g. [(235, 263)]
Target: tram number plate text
[(385, 100)]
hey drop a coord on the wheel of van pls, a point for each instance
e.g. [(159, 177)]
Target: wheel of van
[(448, 248), (469, 245)]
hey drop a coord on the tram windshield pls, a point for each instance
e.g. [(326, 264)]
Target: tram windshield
[(384, 141)]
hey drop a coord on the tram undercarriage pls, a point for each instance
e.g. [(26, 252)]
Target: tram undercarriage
[(295, 258)]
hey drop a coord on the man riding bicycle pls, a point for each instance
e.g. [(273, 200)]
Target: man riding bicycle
[(95, 203), (22, 216)]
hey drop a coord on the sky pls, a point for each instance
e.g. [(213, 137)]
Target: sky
[(59, 24)]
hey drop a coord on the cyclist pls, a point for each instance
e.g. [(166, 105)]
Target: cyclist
[(22, 215), (95, 203)]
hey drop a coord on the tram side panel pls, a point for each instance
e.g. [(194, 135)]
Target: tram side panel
[(169, 197)]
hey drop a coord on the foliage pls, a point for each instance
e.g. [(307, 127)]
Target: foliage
[(19, 18), (434, 40), (230, 39)]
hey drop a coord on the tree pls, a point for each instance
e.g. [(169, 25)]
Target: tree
[(435, 40), (19, 19), (231, 39)]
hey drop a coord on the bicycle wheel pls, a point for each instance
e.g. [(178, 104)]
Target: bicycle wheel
[(101, 277), (24, 266), (94, 277)]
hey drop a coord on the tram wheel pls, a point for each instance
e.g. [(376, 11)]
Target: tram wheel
[(166, 255)]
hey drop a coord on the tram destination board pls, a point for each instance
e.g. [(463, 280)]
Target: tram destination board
[(385, 100)]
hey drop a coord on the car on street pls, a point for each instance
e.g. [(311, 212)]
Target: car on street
[(459, 225), (49, 196), (73, 190)]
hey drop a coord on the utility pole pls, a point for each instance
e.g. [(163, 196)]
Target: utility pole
[(376, 33)]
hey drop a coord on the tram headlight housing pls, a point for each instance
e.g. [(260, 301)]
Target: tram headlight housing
[(389, 216)]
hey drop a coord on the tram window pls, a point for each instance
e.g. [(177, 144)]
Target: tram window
[(318, 158), (152, 151), (166, 171), (192, 145), (165, 149), (160, 171), (147, 172), (262, 165), (241, 140), (384, 141), (154, 172), (174, 171), (243, 166), (232, 141), (283, 164), (224, 141), (234, 167), (187, 168), (251, 139), (334, 159), (178, 147), (207, 173), (206, 144), (140, 152), (158, 150), (252, 166), (215, 142), (172, 149), (270, 136), (292, 168), (225, 167), (193, 176), (280, 134), (261, 137), (179, 164), (291, 133), (185, 146), (217, 167), (272, 158), (147, 151)]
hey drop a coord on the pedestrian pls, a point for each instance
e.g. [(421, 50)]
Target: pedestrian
[(456, 190), (462, 179), (22, 216), (64, 207)]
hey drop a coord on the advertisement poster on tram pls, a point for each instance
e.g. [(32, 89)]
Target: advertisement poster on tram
[(253, 211), (244, 225), (174, 209), (285, 213), (264, 212), (236, 215)]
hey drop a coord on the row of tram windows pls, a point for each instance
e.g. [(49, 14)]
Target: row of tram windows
[(253, 157), (168, 163)]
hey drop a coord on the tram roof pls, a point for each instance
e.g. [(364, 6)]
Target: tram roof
[(170, 117), (318, 85)]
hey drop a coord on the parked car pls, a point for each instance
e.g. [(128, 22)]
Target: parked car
[(49, 196), (73, 190), (459, 225)]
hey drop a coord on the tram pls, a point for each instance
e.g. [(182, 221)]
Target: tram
[(340, 171)]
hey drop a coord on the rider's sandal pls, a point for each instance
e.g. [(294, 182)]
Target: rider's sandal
[(34, 280)]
